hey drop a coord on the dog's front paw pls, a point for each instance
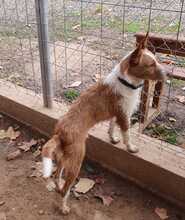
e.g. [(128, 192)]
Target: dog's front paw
[(114, 139), (65, 209), (132, 148)]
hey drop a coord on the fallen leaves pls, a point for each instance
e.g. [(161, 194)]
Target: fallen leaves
[(2, 203), (51, 186), (84, 185), (162, 213), (99, 180), (37, 153), (75, 84), (107, 200), (76, 27), (37, 170), (180, 98), (10, 133), (26, 146), (13, 155), (168, 81), (172, 119)]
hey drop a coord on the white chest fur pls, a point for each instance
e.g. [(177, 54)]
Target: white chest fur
[(130, 100)]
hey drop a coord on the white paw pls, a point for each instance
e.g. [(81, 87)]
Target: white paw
[(65, 209), (132, 148), (114, 139)]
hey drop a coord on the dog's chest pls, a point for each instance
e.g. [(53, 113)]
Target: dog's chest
[(130, 101)]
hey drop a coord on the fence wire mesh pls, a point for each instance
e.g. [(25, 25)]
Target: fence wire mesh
[(87, 38)]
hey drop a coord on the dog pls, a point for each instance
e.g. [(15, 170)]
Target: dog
[(116, 97)]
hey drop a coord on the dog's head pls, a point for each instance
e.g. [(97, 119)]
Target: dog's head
[(142, 63)]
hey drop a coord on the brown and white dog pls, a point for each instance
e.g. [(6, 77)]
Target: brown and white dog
[(116, 97)]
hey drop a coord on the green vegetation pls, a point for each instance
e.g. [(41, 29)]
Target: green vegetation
[(71, 94), (164, 133), (20, 31), (177, 83)]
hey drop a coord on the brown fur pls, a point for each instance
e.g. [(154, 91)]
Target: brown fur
[(98, 103)]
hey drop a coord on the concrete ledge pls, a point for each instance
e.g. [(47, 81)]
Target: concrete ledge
[(158, 167)]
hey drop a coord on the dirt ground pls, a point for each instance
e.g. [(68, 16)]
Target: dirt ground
[(22, 196)]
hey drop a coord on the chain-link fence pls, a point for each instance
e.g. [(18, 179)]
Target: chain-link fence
[(86, 39)]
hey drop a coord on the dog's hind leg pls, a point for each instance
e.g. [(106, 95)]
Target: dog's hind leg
[(114, 139), (58, 176), (72, 165)]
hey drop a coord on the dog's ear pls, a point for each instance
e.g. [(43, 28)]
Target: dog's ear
[(137, 54), (143, 43)]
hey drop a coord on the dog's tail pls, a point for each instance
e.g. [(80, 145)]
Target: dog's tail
[(48, 156)]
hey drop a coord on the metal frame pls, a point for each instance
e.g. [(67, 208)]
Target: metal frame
[(43, 38)]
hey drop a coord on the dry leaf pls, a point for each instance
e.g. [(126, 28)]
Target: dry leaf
[(168, 81), (75, 84), (41, 141), (167, 127), (81, 38), (84, 185), (183, 145), (99, 180), (37, 170), (27, 145), (107, 200), (3, 134), (24, 148), (51, 186), (181, 98), (13, 155), (32, 143), (36, 173), (37, 153), (10, 133), (172, 119), (2, 203), (162, 213), (76, 27), (2, 216)]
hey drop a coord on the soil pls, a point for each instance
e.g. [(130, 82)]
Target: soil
[(27, 197)]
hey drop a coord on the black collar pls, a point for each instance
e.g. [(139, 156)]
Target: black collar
[(126, 83)]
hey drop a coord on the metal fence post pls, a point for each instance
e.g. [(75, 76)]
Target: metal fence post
[(41, 7)]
